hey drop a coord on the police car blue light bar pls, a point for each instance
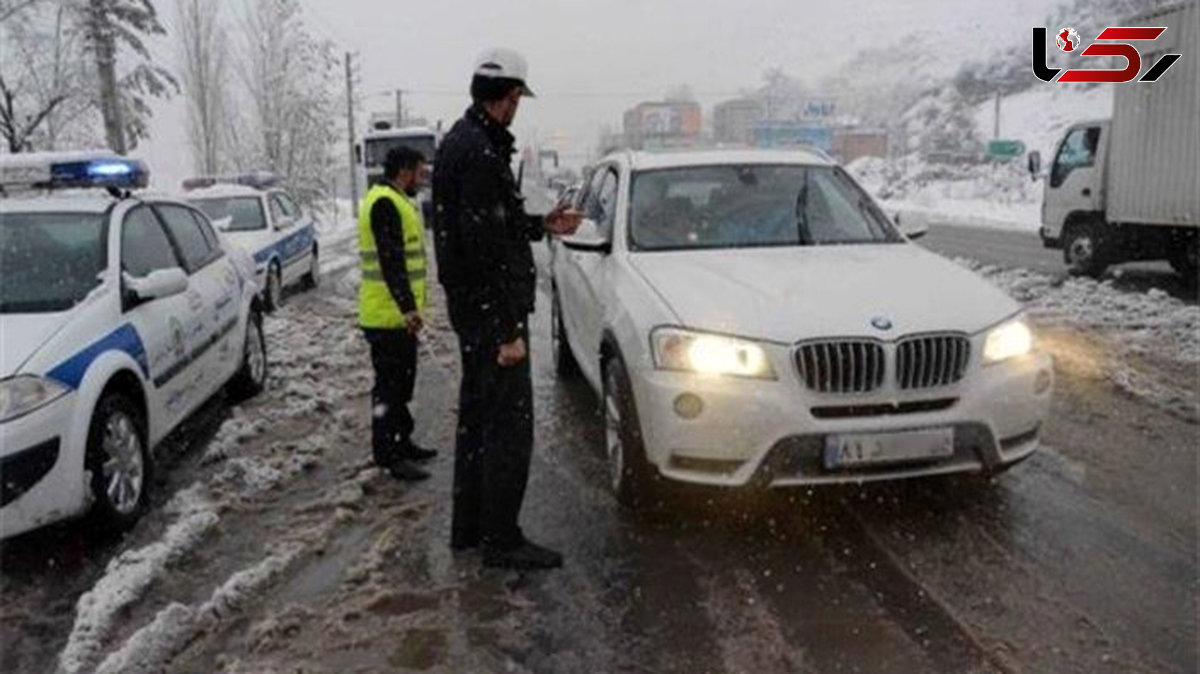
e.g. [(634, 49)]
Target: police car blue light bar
[(50, 170), (259, 180)]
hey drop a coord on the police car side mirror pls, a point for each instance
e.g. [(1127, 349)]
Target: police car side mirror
[(1035, 164), (284, 222), (157, 284)]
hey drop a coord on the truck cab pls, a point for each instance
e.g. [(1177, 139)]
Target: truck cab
[(1074, 195), (377, 142)]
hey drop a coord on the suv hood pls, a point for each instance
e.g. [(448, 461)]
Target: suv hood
[(796, 293), (21, 335)]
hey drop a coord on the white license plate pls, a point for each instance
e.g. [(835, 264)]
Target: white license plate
[(866, 449)]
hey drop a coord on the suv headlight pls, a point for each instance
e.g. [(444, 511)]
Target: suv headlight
[(23, 394), (1009, 340), (676, 349)]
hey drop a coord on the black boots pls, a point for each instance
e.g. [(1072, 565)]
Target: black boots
[(525, 556)]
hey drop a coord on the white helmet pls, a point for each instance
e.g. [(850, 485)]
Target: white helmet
[(506, 63)]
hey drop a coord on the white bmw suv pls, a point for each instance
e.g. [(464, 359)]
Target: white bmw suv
[(752, 317)]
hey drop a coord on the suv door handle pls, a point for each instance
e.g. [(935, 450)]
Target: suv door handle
[(1087, 191)]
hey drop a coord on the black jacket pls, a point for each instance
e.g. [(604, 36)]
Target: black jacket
[(481, 230)]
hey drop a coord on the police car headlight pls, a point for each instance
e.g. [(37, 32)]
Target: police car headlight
[(676, 349), (23, 394), (1010, 340)]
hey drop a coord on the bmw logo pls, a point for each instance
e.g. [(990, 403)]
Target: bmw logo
[(881, 323)]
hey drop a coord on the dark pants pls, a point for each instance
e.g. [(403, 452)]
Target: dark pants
[(495, 441), (394, 358)]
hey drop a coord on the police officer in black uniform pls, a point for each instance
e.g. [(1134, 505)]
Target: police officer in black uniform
[(482, 242)]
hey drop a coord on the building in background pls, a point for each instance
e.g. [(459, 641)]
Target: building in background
[(667, 124), (852, 143), (734, 120)]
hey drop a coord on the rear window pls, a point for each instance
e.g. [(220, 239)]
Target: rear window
[(243, 213)]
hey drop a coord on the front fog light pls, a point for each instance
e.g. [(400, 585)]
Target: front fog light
[(689, 406), (1008, 341)]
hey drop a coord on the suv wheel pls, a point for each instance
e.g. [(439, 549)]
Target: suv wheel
[(632, 478)]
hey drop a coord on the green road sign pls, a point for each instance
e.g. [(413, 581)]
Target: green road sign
[(1005, 149)]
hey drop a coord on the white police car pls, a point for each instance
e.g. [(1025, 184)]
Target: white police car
[(267, 223), (119, 316)]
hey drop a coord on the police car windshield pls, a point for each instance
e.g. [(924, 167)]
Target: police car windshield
[(245, 213), (51, 261), (750, 206)]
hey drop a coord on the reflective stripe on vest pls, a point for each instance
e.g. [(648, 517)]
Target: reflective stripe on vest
[(376, 306)]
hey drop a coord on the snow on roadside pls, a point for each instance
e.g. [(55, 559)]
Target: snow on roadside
[(128, 576), (305, 349), (1148, 324), (1153, 326), (153, 646)]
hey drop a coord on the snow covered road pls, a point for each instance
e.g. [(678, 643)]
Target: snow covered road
[(275, 547)]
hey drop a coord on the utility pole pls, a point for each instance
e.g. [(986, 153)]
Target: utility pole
[(350, 128), (996, 129), (399, 108)]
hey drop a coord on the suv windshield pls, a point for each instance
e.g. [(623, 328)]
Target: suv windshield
[(51, 261), (245, 213), (752, 205)]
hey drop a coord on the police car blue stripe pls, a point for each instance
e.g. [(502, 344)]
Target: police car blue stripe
[(125, 338), (288, 249)]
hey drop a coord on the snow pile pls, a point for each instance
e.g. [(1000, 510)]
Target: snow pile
[(129, 575), (980, 195), (153, 646), (1039, 116), (1151, 324)]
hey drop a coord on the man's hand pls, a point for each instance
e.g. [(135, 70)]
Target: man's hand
[(413, 322), (512, 353), (563, 221)]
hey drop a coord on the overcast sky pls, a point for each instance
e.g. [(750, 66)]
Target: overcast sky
[(591, 59)]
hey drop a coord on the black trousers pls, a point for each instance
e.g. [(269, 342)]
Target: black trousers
[(494, 444), (394, 358)]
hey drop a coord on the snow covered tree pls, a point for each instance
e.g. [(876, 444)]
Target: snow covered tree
[(203, 56), (108, 25), (293, 84), (44, 92)]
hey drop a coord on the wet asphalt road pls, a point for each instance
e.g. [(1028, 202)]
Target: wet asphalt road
[(1082, 559)]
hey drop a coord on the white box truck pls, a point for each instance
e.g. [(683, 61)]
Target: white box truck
[(1128, 188)]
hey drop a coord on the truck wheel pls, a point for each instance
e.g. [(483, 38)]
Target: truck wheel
[(634, 481), (119, 462), (1184, 261), (1084, 250)]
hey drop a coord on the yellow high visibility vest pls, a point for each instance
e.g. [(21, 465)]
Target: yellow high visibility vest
[(376, 306)]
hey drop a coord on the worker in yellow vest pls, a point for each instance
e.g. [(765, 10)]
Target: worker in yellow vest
[(391, 298)]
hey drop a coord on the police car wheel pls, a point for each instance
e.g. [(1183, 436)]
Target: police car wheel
[(634, 481), (313, 278), (251, 379), (119, 462), (273, 293)]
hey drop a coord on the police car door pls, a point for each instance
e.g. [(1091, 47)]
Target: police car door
[(295, 238), (145, 248), (212, 297)]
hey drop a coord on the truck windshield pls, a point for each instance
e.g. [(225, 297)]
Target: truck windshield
[(746, 206), (244, 213), (51, 261), (377, 148)]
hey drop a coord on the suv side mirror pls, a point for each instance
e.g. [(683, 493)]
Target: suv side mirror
[(157, 284), (1035, 163), (588, 239)]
